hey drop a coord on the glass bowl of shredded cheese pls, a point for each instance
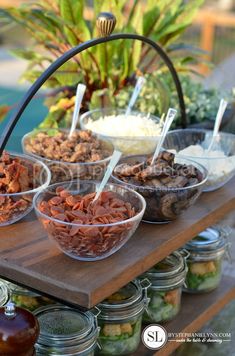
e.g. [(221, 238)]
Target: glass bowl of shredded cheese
[(135, 133)]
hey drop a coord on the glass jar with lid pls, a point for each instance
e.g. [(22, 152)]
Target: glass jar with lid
[(66, 331), (167, 278), (120, 319), (206, 252), (4, 293), (25, 298)]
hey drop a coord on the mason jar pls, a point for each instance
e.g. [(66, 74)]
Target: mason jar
[(167, 278), (66, 331), (4, 293), (206, 252), (120, 319), (27, 299)]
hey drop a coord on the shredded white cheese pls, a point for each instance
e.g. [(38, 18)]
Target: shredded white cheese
[(124, 129), (121, 125)]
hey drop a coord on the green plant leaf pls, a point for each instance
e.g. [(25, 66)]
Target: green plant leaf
[(51, 120)]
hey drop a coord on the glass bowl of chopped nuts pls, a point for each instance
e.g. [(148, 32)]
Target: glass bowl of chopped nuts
[(81, 156), (84, 229), (20, 178)]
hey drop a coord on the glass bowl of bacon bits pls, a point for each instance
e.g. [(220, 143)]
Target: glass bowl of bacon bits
[(170, 186), (20, 178), (84, 229), (83, 155)]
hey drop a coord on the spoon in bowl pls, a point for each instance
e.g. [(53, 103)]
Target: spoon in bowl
[(219, 117), (114, 160), (81, 88), (139, 85), (168, 121)]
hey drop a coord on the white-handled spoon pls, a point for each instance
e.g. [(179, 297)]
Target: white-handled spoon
[(139, 85), (169, 119), (114, 160), (219, 117), (81, 88)]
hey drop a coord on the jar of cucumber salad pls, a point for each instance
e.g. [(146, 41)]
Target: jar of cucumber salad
[(66, 331), (120, 319), (167, 278), (206, 252), (27, 299), (4, 294)]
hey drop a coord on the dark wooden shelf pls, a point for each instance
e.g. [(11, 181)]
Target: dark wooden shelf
[(29, 258), (195, 312)]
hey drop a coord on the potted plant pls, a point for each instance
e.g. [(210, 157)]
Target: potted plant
[(108, 70)]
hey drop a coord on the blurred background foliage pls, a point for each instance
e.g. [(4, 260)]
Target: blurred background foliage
[(109, 70)]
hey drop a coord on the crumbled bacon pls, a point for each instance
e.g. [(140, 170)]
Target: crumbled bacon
[(15, 177)]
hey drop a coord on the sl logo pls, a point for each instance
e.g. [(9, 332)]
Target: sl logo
[(154, 337)]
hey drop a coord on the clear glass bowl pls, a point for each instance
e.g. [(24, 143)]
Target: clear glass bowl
[(14, 206), (90, 242), (62, 171), (165, 204), (220, 170), (128, 145)]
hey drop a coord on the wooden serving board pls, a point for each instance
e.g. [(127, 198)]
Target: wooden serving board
[(29, 258)]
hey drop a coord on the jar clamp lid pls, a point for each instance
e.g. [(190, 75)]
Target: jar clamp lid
[(168, 273), (61, 326), (208, 244), (4, 293), (18, 290), (128, 301)]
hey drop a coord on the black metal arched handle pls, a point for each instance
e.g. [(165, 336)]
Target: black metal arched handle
[(71, 53)]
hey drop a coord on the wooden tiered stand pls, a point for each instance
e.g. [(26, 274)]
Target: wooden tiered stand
[(28, 258)]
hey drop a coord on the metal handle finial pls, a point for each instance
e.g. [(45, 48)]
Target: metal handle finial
[(105, 23), (10, 310)]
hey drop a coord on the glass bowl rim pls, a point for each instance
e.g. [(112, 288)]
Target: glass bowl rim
[(133, 218), (126, 138), (33, 160), (204, 171), (27, 135), (221, 133)]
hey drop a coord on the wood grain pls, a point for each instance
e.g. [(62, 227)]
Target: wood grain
[(29, 258)]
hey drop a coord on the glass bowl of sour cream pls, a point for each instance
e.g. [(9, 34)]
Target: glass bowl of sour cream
[(136, 133), (193, 143)]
